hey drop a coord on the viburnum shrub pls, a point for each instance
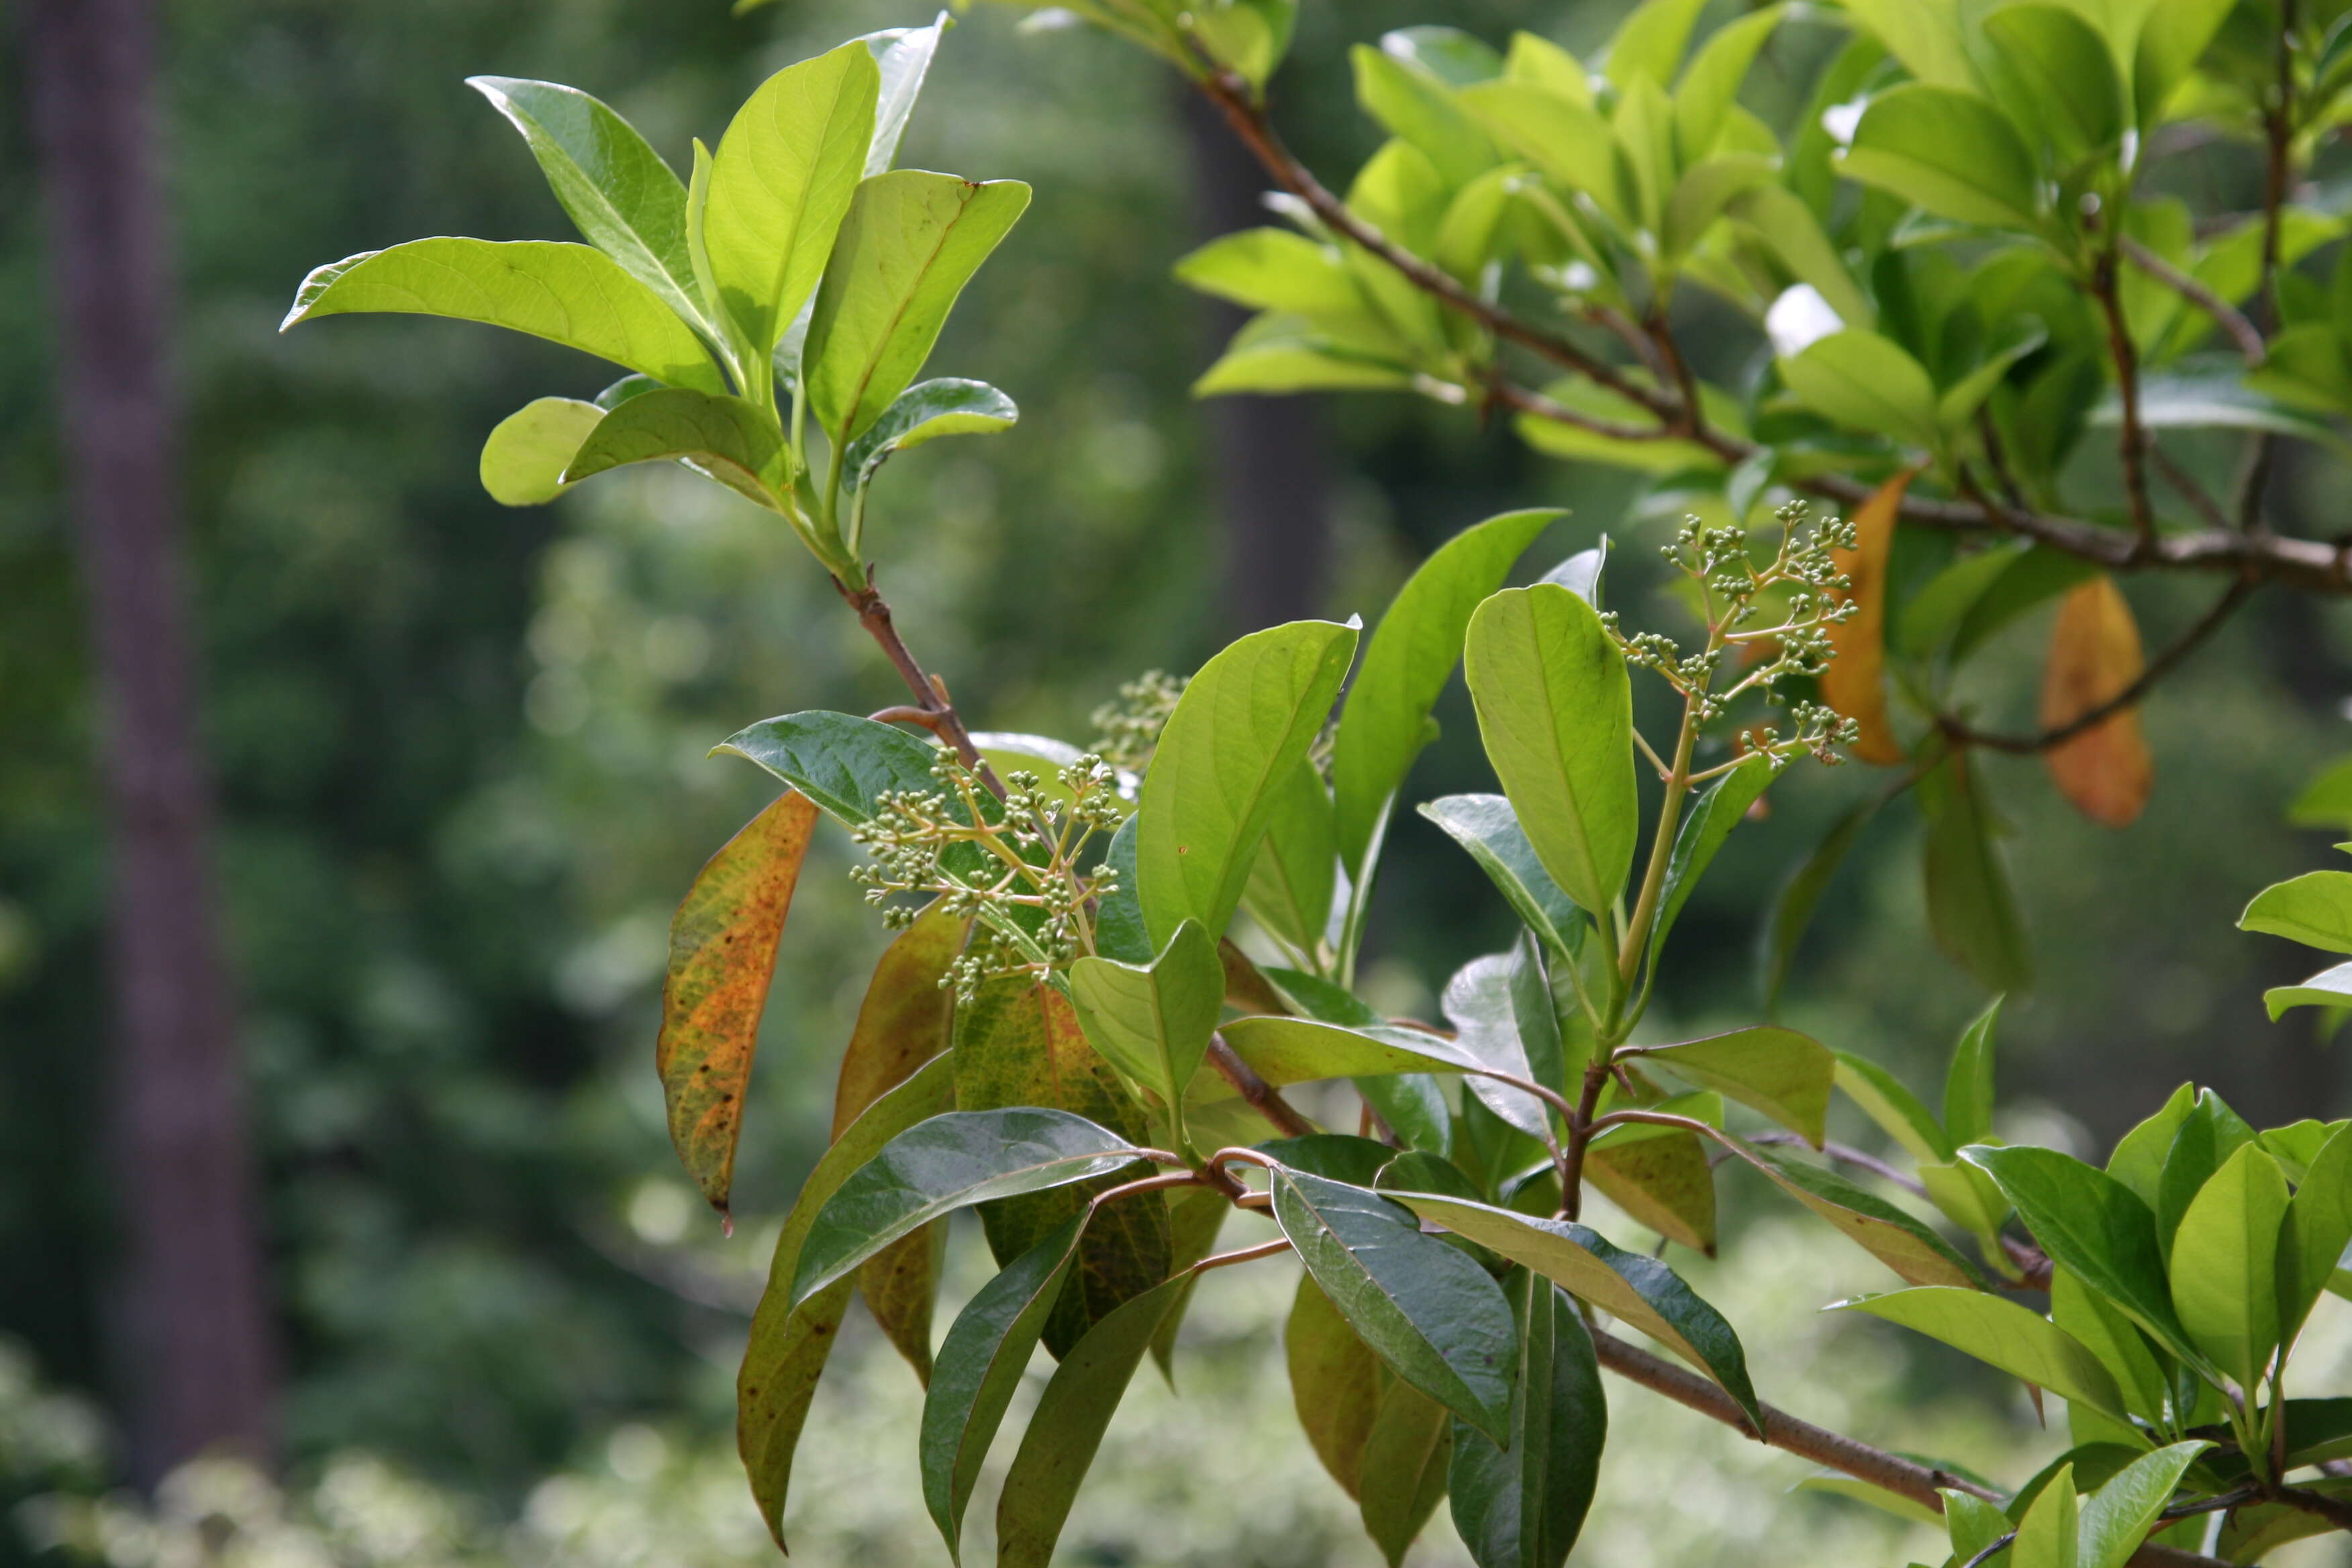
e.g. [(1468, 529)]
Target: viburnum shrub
[(1069, 1032)]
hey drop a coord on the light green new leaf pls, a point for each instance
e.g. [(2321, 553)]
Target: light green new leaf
[(1560, 135), (902, 59), (724, 438), (1710, 86), (1418, 107), (1067, 1427), (978, 1368), (789, 1344), (1486, 826), (2139, 1155), (2327, 801), (1275, 269), (1926, 36), (1723, 807), (1908, 1247), (1556, 713), (2046, 1536), (1974, 1524), (1967, 1087), (568, 294), (1411, 654), (624, 200), (2224, 1269), (951, 1162), (2173, 34), (2120, 1514), (2004, 1334), (2106, 1333), (2210, 1134), (1523, 1507), (1243, 723), (1291, 880), (1866, 382), (1649, 44), (1949, 153), (911, 241), (926, 411), (2314, 908), (1888, 1101), (2093, 1225), (1641, 1291), (780, 183), (1300, 1051), (2318, 1228), (1428, 1310), (1785, 1075), (2056, 74), (1153, 1022), (524, 459)]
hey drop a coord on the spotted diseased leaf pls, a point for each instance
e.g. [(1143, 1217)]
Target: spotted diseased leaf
[(722, 954), (2107, 771), (1855, 682)]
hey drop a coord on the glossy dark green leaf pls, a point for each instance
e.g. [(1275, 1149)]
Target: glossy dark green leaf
[(524, 459), (1196, 1218), (1291, 879), (1067, 1427), (779, 185), (1120, 930), (1555, 711), (1972, 902), (1486, 826), (1335, 1383), (1641, 1291), (1793, 907), (2093, 1225), (1889, 1103), (1243, 723), (1785, 1075), (1334, 1157), (1153, 1022), (978, 1366), (1429, 1312), (1406, 1457), (2318, 1228), (911, 241), (789, 1345), (2001, 1332), (723, 437), (926, 411), (1522, 1506), (624, 199), (2314, 908), (951, 1162), (1967, 1086), (1711, 818), (1947, 152), (1878, 1226), (1414, 1106), (1478, 1003), (1419, 1171), (2224, 1265), (1409, 656), (568, 294), (837, 760)]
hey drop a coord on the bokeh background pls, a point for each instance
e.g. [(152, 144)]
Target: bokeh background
[(459, 758)]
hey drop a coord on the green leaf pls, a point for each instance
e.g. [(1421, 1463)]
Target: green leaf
[(1067, 1427), (951, 1162), (1915, 1252), (1335, 1384), (1285, 1051), (2306, 367), (909, 242), (1974, 1523), (2224, 1267), (2033, 574), (1522, 1506), (1341, 1157), (2004, 1334), (1480, 1004), (841, 761), (1276, 270), (1953, 154), (1837, 1483), (1785, 1075), (1196, 1219), (722, 954), (1384, 723), (1705, 829), (1427, 1309), (1662, 1181), (1866, 382), (1703, 194), (979, 1367), (1283, 353), (2056, 76), (1486, 826), (2092, 1224), (2219, 399), (2318, 1228), (1405, 1463), (924, 412), (2172, 34), (1710, 88), (1555, 711), (1562, 137), (524, 459), (1967, 1087), (2327, 801), (1649, 43), (2046, 1536), (724, 438), (1926, 36), (1153, 1022), (624, 199), (1971, 1201), (2314, 908), (779, 185), (1419, 108), (1793, 906), (1291, 879), (1119, 925), (2139, 1155), (1959, 402), (1899, 1114), (1641, 1291), (1971, 904), (2106, 1333), (2331, 987), (2210, 1134), (2120, 1514), (568, 294), (789, 1345), (1243, 723), (902, 59)]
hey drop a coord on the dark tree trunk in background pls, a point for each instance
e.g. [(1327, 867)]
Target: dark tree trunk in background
[(197, 1363), (1272, 465)]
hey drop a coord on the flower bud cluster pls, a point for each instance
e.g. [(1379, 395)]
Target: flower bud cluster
[(1126, 731)]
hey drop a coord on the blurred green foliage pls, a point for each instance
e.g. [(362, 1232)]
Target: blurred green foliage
[(461, 748)]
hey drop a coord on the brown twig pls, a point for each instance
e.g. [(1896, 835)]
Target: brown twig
[(1262, 1097), (1890, 1472), (2278, 141), (2242, 331), (937, 713), (2132, 442), (2185, 484), (2335, 1510), (1242, 1255)]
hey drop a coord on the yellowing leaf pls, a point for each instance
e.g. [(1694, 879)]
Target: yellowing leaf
[(723, 952), (2094, 655), (1855, 682)]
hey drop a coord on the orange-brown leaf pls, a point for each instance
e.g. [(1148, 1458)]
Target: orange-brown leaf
[(722, 954), (1855, 682), (2095, 655)]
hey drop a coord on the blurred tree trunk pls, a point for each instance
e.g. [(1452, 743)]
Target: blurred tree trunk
[(195, 1361), (1272, 464)]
